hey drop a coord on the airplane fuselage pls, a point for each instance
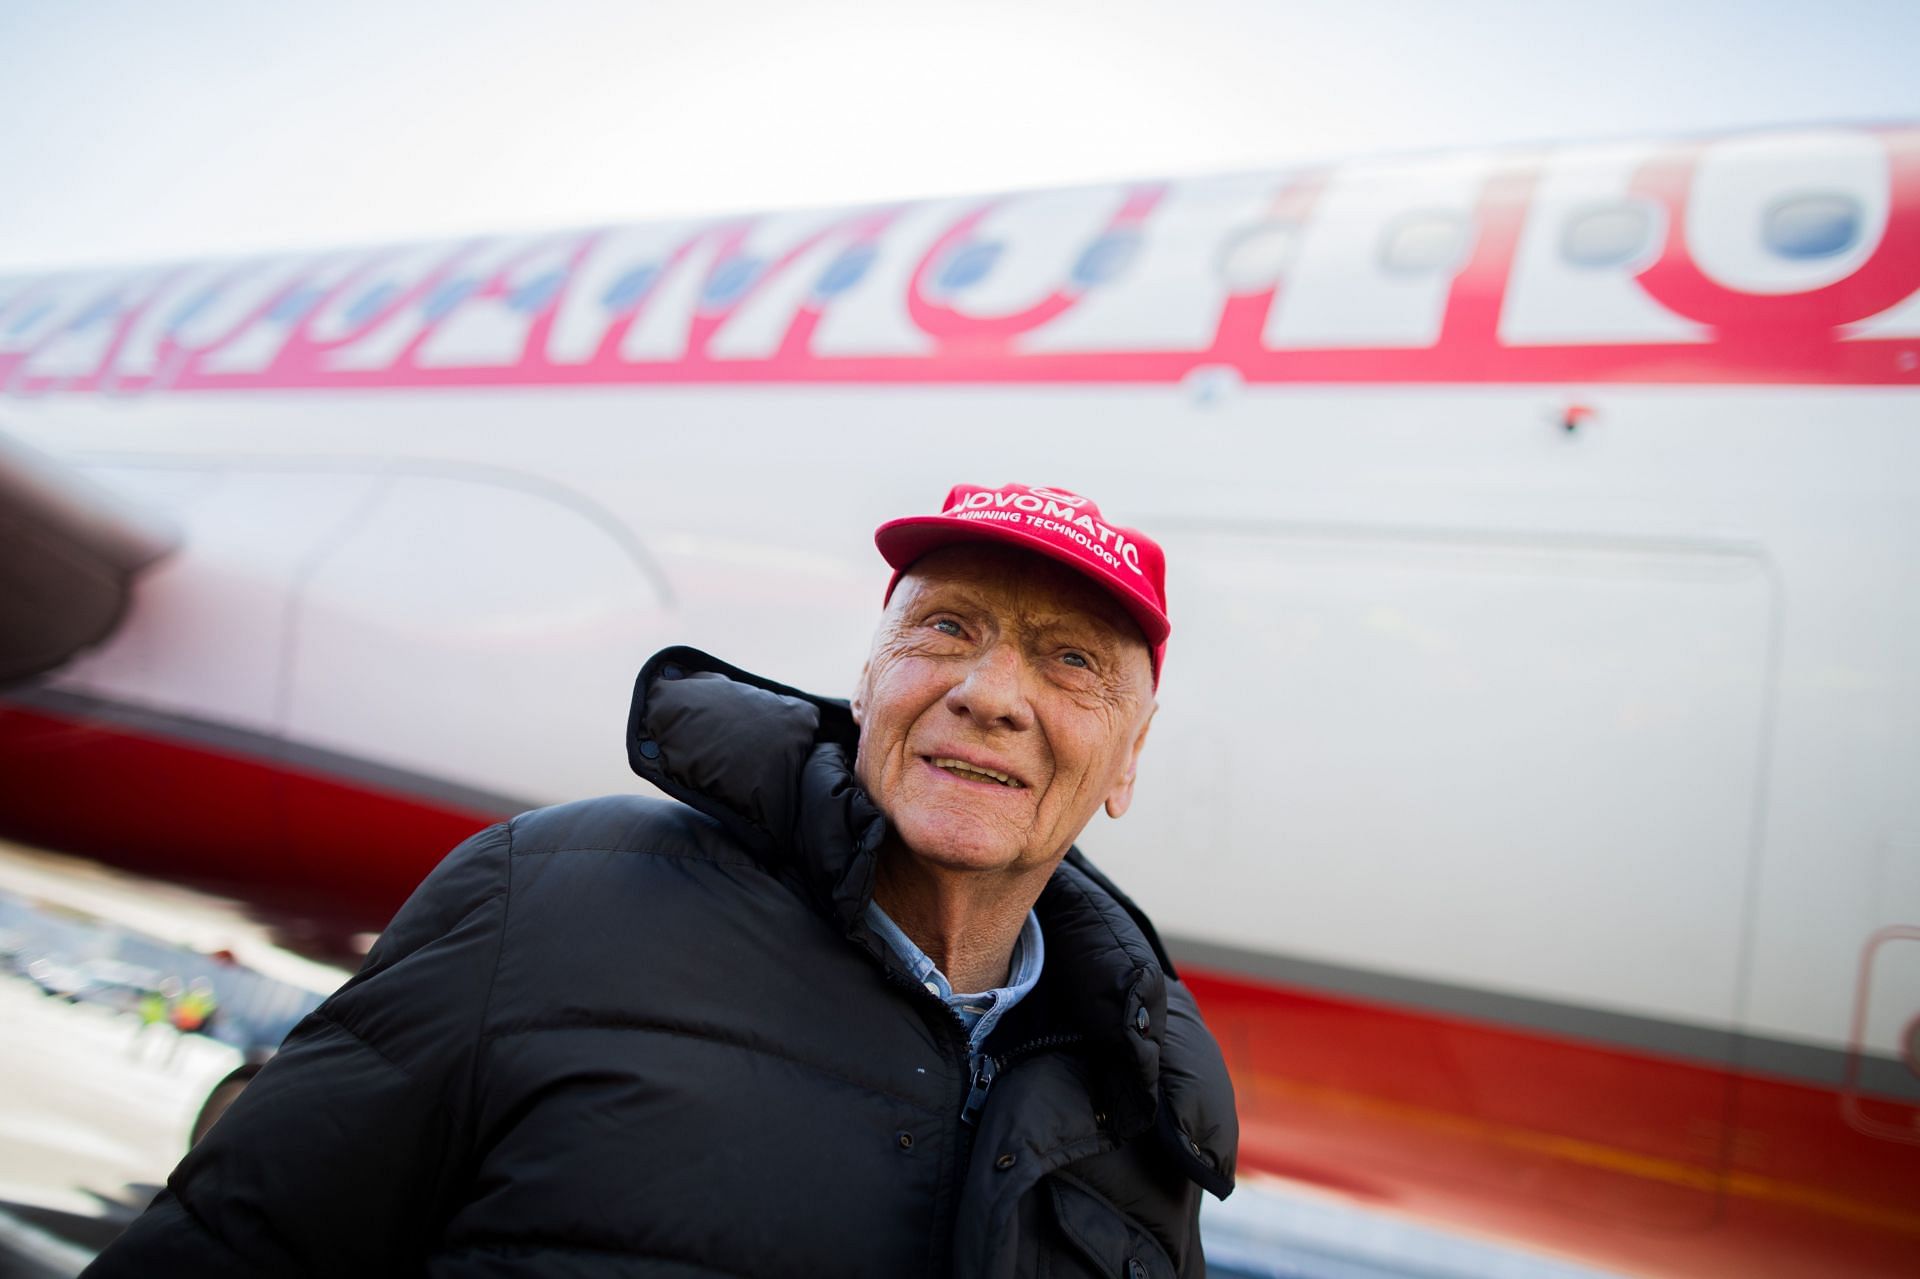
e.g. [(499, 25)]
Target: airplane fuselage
[(1530, 801)]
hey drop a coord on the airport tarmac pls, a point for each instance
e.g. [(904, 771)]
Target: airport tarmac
[(94, 1111)]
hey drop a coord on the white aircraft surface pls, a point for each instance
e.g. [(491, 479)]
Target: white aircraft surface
[(1534, 803)]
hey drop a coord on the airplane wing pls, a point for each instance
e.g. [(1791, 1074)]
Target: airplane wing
[(69, 553)]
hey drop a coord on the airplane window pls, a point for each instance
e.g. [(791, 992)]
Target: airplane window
[(731, 278), (191, 309), (967, 265), (1606, 235), (1106, 258), (1423, 242), (294, 305), (448, 295), (537, 292), (33, 315), (630, 287), (98, 312), (371, 303), (846, 270), (1255, 257), (1815, 225)]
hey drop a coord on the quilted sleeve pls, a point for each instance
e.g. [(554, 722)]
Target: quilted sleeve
[(345, 1154)]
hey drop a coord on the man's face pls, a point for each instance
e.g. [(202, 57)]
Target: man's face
[(996, 660)]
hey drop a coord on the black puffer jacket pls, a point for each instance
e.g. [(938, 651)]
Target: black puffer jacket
[(628, 1037)]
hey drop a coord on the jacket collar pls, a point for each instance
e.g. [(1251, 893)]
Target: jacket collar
[(770, 763), (774, 766)]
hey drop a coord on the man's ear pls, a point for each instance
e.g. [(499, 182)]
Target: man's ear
[(858, 702), (1120, 798)]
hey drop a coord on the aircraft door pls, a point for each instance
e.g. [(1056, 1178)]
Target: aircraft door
[(1881, 1097), (468, 648), (1497, 800)]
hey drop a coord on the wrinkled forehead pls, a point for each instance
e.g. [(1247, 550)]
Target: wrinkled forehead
[(1024, 586)]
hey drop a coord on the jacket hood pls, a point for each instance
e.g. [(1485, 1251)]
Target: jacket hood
[(774, 766)]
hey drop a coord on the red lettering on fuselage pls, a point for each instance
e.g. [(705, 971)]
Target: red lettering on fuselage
[(754, 301)]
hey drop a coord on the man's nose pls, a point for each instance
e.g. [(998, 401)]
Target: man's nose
[(993, 692)]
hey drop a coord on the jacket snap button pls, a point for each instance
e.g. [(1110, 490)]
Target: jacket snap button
[(906, 1140), (1004, 1162), (1135, 1270), (650, 749), (1141, 1021)]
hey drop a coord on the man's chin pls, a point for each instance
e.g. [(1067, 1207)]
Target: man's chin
[(959, 850)]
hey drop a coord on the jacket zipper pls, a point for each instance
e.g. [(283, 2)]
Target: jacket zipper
[(984, 1071), (988, 1069)]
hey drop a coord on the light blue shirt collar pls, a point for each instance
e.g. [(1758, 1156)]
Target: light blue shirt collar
[(981, 1012)]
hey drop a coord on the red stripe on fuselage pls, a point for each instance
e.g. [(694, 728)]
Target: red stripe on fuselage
[(261, 828), (1628, 1159)]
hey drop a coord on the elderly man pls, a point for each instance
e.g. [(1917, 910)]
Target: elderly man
[(855, 1006)]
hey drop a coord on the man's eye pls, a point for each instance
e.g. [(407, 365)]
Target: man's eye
[(946, 626), (1076, 659)]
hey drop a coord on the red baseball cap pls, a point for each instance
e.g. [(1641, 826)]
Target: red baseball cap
[(1125, 562)]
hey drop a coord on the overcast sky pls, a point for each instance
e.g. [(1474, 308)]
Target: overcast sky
[(150, 129)]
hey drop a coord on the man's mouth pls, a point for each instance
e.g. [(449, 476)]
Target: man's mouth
[(974, 772)]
